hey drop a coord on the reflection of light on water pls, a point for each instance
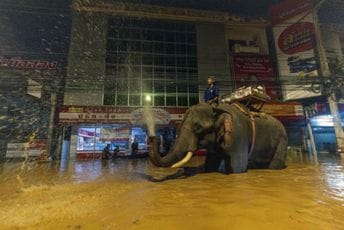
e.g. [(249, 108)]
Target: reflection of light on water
[(334, 177), (88, 171)]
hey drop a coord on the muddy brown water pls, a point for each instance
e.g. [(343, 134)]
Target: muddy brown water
[(116, 194)]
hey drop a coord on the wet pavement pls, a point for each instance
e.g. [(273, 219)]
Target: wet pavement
[(116, 194)]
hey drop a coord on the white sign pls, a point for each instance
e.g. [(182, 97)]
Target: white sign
[(16, 150), (115, 133), (295, 39)]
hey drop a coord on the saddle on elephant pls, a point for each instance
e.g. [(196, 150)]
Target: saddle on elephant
[(252, 98)]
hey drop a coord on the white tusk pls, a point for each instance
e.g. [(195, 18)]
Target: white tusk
[(183, 161)]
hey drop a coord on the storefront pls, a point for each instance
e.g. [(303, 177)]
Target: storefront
[(323, 128), (93, 128), (30, 89)]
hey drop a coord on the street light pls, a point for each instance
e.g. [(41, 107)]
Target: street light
[(148, 98)]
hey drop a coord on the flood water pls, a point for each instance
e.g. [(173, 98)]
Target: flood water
[(116, 194)]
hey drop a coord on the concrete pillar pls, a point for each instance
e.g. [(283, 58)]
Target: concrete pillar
[(86, 60), (65, 151), (332, 44), (73, 143), (3, 149), (212, 55)]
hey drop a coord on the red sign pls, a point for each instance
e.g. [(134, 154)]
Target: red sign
[(246, 65), (19, 63), (38, 144), (324, 108), (253, 64), (297, 38), (288, 9)]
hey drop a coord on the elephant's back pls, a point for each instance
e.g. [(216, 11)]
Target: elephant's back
[(269, 132), (266, 122)]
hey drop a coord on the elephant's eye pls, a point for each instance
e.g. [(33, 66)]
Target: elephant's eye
[(202, 128), (198, 128)]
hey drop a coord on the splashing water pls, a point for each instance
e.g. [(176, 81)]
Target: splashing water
[(26, 157), (117, 195), (149, 118)]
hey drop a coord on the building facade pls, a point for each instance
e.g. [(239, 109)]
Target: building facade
[(124, 57)]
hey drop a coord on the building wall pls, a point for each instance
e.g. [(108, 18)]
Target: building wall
[(86, 71), (249, 34), (86, 62), (332, 44), (212, 57)]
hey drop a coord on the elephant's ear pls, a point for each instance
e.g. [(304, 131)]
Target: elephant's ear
[(202, 118), (224, 127)]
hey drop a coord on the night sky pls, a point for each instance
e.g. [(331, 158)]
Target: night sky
[(35, 28)]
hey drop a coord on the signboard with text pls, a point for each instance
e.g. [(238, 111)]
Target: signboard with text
[(246, 65), (128, 115), (35, 148), (167, 116), (295, 39), (25, 63)]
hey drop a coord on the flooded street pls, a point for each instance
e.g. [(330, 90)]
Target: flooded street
[(116, 194)]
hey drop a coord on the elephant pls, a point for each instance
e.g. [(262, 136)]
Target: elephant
[(229, 132)]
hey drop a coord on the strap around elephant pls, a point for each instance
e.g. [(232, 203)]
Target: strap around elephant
[(253, 135)]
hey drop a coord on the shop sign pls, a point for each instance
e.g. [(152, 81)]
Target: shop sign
[(115, 133), (288, 9), (33, 149), (283, 109), (324, 108), (297, 38), (253, 64), (15, 150), (246, 65), (104, 114), (85, 133), (21, 63), (144, 116)]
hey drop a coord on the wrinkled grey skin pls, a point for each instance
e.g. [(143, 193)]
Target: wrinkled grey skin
[(203, 127)]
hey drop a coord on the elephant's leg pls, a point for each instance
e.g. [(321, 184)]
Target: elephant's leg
[(237, 157), (228, 167), (278, 160), (212, 162)]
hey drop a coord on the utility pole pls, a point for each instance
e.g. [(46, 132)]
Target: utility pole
[(325, 72), (50, 144)]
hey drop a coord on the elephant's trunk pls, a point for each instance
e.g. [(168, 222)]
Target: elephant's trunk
[(180, 153)]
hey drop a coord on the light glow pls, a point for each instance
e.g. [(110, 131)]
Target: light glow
[(148, 98), (323, 121)]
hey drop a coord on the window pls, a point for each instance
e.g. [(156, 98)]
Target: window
[(150, 59)]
